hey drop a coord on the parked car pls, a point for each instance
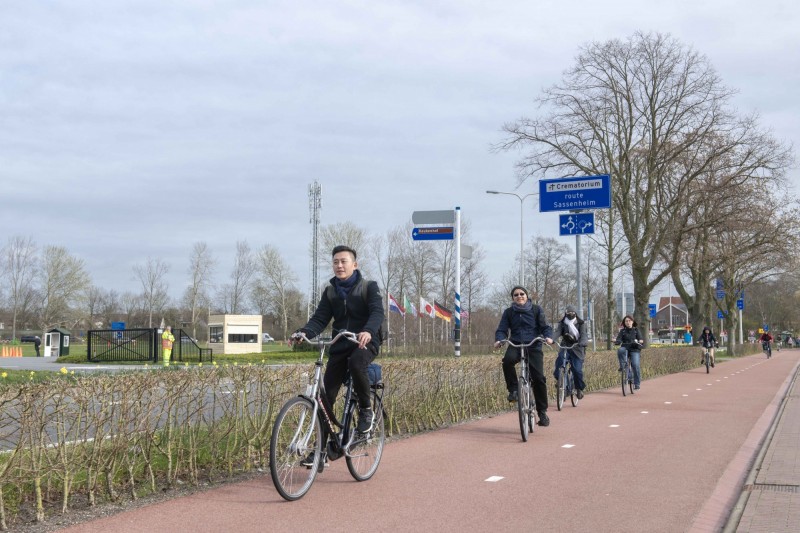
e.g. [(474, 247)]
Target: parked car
[(28, 338), (267, 338)]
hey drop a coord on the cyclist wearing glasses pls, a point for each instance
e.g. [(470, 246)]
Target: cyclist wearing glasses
[(708, 340), (630, 342), (572, 330), (350, 311), (521, 323)]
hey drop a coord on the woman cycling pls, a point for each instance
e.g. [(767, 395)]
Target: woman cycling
[(521, 323), (572, 330), (708, 341), (630, 342)]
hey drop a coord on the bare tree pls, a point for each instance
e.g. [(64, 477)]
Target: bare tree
[(201, 268), (276, 281), (63, 281), (243, 269), (131, 305), (654, 115), (154, 286), (348, 234), (19, 269)]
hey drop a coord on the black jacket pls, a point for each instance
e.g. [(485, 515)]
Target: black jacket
[(578, 346), (523, 326), (707, 340), (352, 315), (627, 337)]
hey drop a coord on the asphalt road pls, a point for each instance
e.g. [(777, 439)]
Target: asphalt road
[(670, 458)]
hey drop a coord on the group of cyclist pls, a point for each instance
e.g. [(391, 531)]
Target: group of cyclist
[(355, 304)]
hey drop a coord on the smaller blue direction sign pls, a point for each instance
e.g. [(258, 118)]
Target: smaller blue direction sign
[(444, 233), (740, 304), (576, 224), (720, 314), (652, 308)]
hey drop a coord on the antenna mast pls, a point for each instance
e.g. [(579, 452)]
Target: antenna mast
[(314, 208)]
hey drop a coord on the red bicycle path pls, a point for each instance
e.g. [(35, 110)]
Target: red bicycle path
[(671, 457)]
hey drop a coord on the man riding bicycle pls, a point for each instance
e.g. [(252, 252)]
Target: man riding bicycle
[(521, 323), (572, 330), (345, 302), (766, 341)]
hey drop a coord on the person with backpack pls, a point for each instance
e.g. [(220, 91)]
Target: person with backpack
[(355, 305), (521, 323)]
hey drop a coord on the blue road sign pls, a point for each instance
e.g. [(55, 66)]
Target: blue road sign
[(720, 314), (118, 325), (576, 224), (592, 192), (740, 304), (720, 294), (652, 308), (443, 233), (766, 327)]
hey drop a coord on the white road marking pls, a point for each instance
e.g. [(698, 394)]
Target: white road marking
[(645, 412), (685, 395), (668, 403), (493, 479), (614, 426), (568, 446)]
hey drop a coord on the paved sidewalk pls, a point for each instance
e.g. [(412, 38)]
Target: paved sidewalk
[(770, 500)]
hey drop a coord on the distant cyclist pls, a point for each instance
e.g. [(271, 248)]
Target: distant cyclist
[(630, 343), (572, 330), (708, 341), (521, 323), (766, 341)]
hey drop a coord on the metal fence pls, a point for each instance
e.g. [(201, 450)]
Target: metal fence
[(142, 345)]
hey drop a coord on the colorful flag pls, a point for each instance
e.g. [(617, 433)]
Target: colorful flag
[(394, 306), (409, 306), (442, 312), (426, 308)]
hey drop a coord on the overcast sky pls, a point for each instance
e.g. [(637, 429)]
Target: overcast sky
[(131, 129)]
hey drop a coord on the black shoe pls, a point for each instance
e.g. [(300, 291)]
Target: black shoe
[(365, 417), (513, 396), (580, 394), (308, 462), (712, 364), (544, 420)]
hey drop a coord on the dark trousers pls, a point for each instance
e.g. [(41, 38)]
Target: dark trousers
[(577, 367), (536, 367), (356, 360)]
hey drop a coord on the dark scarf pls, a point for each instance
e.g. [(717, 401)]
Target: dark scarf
[(343, 288), (527, 306)]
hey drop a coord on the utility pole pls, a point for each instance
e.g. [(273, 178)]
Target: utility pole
[(315, 209)]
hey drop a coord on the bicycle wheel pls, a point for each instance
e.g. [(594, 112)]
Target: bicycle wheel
[(294, 437), (624, 378), (708, 362), (365, 451), (524, 408), (573, 392), (630, 378), (560, 388)]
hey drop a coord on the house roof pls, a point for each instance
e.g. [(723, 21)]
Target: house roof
[(674, 300)]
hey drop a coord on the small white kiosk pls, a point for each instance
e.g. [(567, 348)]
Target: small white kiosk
[(231, 334), (56, 342)]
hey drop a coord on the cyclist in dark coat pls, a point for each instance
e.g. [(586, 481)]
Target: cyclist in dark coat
[(572, 330), (707, 340), (630, 342), (349, 312), (521, 323)]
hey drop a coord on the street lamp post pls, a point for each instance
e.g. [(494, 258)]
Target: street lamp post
[(521, 241)]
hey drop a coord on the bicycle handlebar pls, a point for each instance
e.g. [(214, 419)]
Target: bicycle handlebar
[(535, 340), (349, 335)]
